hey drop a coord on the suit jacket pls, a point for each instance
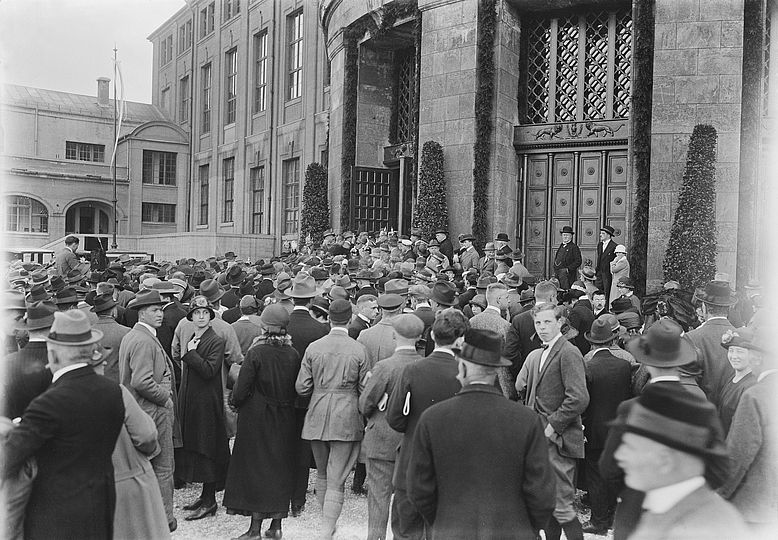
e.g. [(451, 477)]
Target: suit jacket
[(711, 356), (113, 333), (608, 381), (463, 493), (71, 429), (752, 443), (700, 515), (420, 386), (447, 249), (304, 330), (603, 268), (521, 340), (566, 263), (230, 298), (378, 341), (581, 318), (25, 377), (66, 261), (558, 393), (356, 326), (490, 319), (380, 440), (469, 259), (333, 372), (246, 331)]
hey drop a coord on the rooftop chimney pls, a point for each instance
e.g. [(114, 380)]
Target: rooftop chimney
[(102, 90)]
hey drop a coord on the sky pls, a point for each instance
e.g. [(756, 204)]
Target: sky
[(66, 45)]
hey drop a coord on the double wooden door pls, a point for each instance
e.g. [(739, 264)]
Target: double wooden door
[(582, 189)]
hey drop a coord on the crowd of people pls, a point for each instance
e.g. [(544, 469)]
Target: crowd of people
[(468, 397)]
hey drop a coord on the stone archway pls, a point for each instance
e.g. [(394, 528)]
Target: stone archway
[(88, 217)]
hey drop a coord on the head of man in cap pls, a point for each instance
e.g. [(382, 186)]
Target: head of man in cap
[(71, 340), (500, 241), (149, 305), (479, 357)]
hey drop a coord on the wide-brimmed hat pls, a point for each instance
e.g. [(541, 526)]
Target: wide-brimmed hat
[(676, 418), (165, 287), (57, 283), (102, 303), (588, 274), (304, 286), (601, 332), (39, 276), (336, 292), (567, 229), (211, 290), (229, 255), (345, 282), (717, 293), (425, 274), (608, 229), (77, 274), (39, 315), (742, 337), (200, 302), (320, 305), (13, 300), (527, 295), (662, 346), (72, 328), (482, 347), (502, 237), (444, 293), (318, 273), (149, 297), (396, 286), (67, 295), (621, 248), (235, 275), (38, 294), (282, 285), (267, 269), (504, 253), (511, 280)]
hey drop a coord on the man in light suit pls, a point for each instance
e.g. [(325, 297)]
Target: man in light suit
[(67, 259), (381, 442), (606, 252), (146, 371), (379, 339), (491, 319), (469, 257), (552, 382), (668, 437)]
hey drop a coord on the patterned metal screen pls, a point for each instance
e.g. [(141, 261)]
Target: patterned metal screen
[(578, 67), (406, 83), (373, 198), (766, 62)]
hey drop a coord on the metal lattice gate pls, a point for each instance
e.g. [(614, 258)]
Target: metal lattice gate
[(374, 198)]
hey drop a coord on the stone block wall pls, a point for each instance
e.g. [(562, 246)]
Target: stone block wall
[(374, 104), (698, 60)]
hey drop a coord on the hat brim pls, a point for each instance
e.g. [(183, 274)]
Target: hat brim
[(137, 305), (95, 336), (237, 280), (686, 355), (592, 339), (104, 307), (718, 300), (192, 310), (309, 294), (500, 362), (38, 324), (719, 450)]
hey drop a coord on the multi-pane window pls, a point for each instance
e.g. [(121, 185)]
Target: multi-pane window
[(291, 179), (159, 167), (768, 23), (260, 71), (257, 199), (295, 60), (229, 188), (205, 79), (166, 50), (231, 94), (231, 9), (578, 67), (203, 173), (207, 19), (24, 214), (158, 213), (185, 36), (84, 151), (405, 124), (185, 100)]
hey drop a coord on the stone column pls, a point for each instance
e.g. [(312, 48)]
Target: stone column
[(337, 55)]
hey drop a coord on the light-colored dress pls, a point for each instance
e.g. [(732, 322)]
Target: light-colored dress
[(619, 269)]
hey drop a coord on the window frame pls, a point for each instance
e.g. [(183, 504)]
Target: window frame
[(185, 36), (185, 97), (228, 177), (16, 202), (207, 20), (95, 152), (295, 34), (162, 167), (260, 71), (166, 212), (257, 178), (206, 75), (204, 181), (229, 12), (291, 180), (231, 86)]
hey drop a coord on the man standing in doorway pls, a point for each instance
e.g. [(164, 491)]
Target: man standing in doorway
[(606, 252), (567, 259)]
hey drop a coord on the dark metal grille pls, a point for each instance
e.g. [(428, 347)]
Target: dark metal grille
[(538, 61), (766, 62), (373, 203), (405, 93), (622, 65), (596, 72), (567, 70)]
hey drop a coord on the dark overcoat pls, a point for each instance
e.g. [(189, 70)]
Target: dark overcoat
[(603, 268), (566, 263), (712, 361), (609, 381), (520, 340), (304, 330), (25, 377), (581, 318)]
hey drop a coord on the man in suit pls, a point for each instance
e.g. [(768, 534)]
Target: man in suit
[(367, 311), (491, 319), (608, 381), (580, 318), (495, 460), (105, 308), (334, 372), (567, 259), (67, 260), (421, 384), (552, 382), (71, 430), (445, 245), (379, 340), (304, 330), (247, 327), (522, 338), (381, 442), (606, 252), (599, 303), (714, 367), (469, 257), (668, 439), (146, 371)]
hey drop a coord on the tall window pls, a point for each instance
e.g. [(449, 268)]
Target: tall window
[(166, 50), (257, 199), (159, 168), (291, 177), (207, 19), (158, 213), (206, 82), (203, 171), (185, 36), (231, 9), (260, 71), (164, 99), (186, 98), (231, 67), (295, 61), (229, 188), (84, 151), (24, 214), (404, 119)]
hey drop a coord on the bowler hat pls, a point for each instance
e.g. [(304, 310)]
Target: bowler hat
[(304, 286), (148, 297), (390, 301), (66, 296), (681, 420), (482, 347), (567, 229), (717, 293), (663, 346), (340, 311), (608, 229), (211, 290), (39, 315), (502, 237), (103, 302), (235, 275), (601, 332), (200, 302), (72, 328), (444, 293)]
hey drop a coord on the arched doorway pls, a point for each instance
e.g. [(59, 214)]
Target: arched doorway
[(88, 217)]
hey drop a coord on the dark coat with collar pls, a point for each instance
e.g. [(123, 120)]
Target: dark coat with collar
[(230, 298), (447, 249), (489, 477), (520, 340), (71, 429), (304, 330), (421, 385), (25, 377), (356, 326), (711, 356), (608, 381), (581, 318), (603, 267), (560, 395), (566, 263)]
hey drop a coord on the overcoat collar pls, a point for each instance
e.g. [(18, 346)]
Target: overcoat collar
[(487, 388)]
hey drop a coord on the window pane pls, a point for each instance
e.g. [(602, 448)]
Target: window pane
[(203, 176), (229, 177), (291, 177), (206, 82)]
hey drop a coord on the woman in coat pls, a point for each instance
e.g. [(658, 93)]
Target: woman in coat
[(206, 453), (260, 480), (619, 269)]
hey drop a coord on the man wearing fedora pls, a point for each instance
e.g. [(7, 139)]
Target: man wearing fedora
[(234, 277), (147, 372), (105, 308), (567, 259), (71, 429), (608, 381), (501, 241), (668, 440), (606, 252), (469, 258), (420, 385), (494, 461), (552, 382), (67, 259), (712, 360)]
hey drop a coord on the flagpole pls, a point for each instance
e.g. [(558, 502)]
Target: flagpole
[(115, 221)]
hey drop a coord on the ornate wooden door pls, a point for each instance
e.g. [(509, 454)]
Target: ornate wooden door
[(374, 198)]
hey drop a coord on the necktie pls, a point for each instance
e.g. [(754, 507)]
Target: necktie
[(544, 345)]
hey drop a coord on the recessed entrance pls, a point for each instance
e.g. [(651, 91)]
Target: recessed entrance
[(89, 217)]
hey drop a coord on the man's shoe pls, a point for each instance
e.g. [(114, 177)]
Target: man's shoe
[(297, 509), (173, 525), (194, 505), (591, 528), (274, 533), (202, 512)]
